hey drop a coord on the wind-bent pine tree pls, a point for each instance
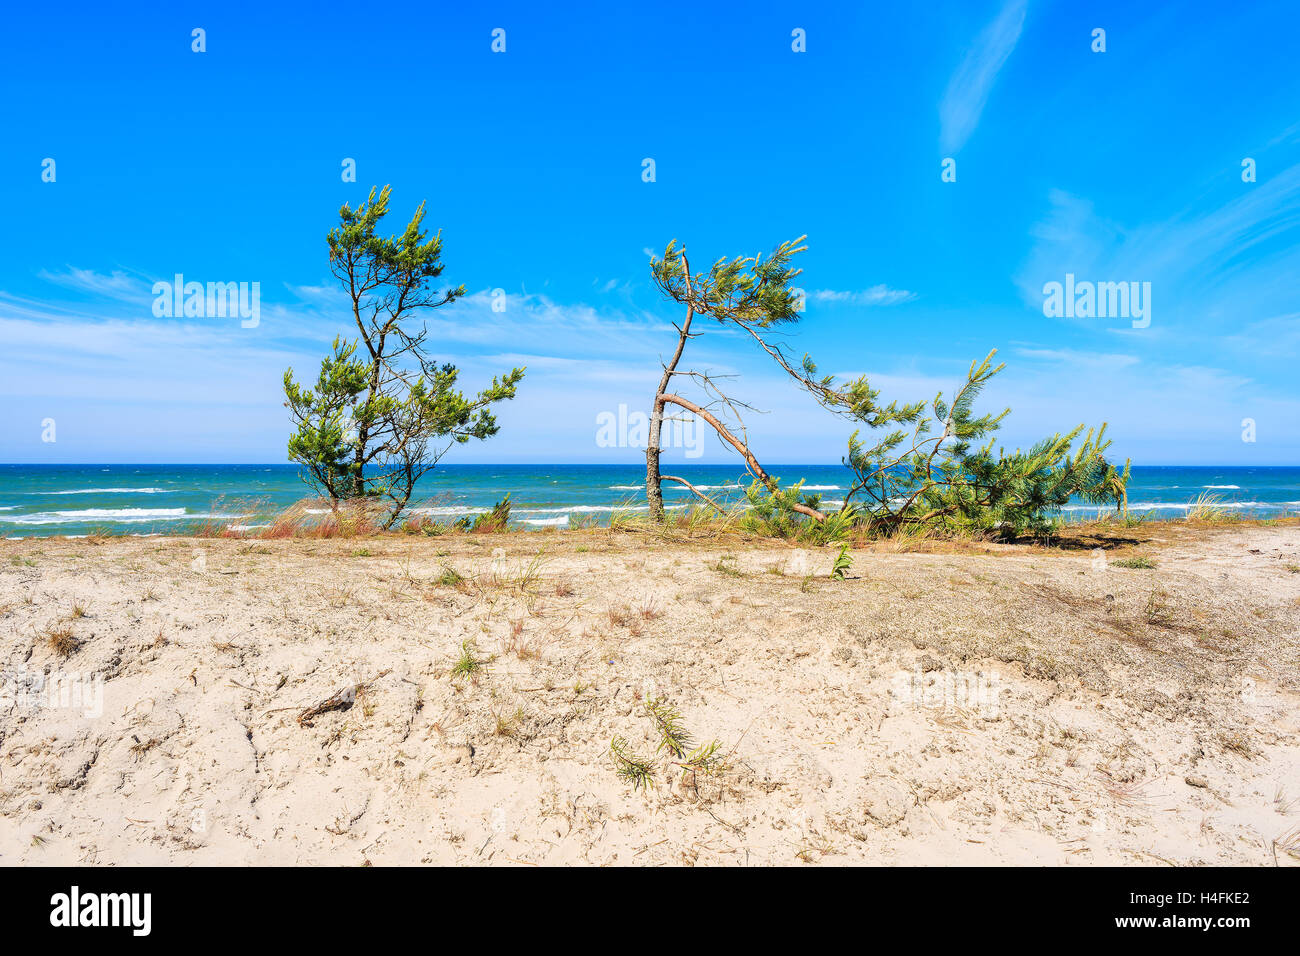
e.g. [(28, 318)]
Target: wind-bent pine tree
[(753, 295), (382, 413), (933, 479)]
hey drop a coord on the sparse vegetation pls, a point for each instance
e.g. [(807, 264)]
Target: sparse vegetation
[(842, 563), (61, 640), (675, 746), (633, 769), (1158, 609), (469, 665), (450, 577)]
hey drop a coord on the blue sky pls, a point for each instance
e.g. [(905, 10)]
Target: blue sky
[(225, 166)]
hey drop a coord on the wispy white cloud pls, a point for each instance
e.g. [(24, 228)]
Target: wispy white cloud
[(1212, 266), (876, 295), (115, 285), (969, 88), (1080, 359)]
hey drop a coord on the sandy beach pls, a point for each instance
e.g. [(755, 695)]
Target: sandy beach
[(452, 700)]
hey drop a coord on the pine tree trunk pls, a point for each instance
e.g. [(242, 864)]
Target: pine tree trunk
[(654, 491)]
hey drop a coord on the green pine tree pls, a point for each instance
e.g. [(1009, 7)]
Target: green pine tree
[(382, 412)]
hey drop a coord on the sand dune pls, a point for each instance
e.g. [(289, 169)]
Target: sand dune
[(984, 704)]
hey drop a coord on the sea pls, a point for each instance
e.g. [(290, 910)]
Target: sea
[(79, 500)]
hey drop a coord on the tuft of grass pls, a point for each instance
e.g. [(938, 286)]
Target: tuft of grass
[(1138, 563), (910, 537), (468, 664), (623, 519), (1158, 609), (727, 565), (531, 573), (61, 640), (620, 615), (1207, 507), (507, 725), (489, 522), (450, 577), (423, 524)]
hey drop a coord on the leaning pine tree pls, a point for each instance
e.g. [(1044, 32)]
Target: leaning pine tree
[(382, 412), (936, 476), (753, 296)]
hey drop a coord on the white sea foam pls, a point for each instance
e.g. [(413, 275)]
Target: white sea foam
[(1226, 487), (109, 515), (550, 522), (1174, 506), (104, 491), (123, 513)]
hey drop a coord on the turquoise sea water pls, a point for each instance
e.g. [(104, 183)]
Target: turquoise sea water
[(43, 500)]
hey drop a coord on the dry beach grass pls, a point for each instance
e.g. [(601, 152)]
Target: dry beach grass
[(406, 699)]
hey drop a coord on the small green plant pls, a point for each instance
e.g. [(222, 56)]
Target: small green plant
[(507, 725), (1132, 520), (673, 737), (531, 573), (727, 565), (843, 561), (676, 748), (1158, 610), (631, 768), (450, 577), (1138, 563), (468, 664), (705, 760), (489, 522)]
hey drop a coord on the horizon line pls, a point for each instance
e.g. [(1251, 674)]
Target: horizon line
[(549, 464)]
